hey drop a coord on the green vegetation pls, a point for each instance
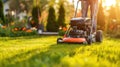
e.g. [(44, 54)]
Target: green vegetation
[(61, 17), (52, 25), (42, 51), (1, 12), (101, 18), (36, 14), (16, 29)]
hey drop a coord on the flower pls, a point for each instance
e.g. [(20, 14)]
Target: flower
[(3, 27), (29, 31), (60, 28), (64, 29), (33, 28), (23, 28), (15, 29)]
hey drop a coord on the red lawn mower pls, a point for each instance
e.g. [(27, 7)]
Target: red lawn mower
[(80, 31)]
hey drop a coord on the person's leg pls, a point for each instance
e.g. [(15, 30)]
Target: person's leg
[(94, 11), (84, 5)]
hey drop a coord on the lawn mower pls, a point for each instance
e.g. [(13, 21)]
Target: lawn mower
[(81, 31)]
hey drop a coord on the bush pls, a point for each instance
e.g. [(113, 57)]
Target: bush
[(115, 34), (19, 24), (62, 31), (114, 30), (101, 18), (61, 17), (36, 13), (52, 25), (1, 11), (15, 30), (1, 21)]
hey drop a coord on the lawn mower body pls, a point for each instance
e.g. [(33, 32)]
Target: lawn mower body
[(81, 31), (78, 32)]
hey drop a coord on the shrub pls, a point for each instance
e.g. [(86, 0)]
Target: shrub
[(117, 35), (114, 30), (36, 13), (101, 18), (1, 21), (61, 17), (52, 25), (1, 11), (19, 24), (15, 31), (62, 31)]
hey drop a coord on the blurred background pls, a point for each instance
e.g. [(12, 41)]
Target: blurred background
[(52, 15)]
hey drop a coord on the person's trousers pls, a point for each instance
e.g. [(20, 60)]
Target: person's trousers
[(94, 10)]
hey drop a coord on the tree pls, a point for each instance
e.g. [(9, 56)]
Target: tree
[(43, 4), (1, 12), (21, 5), (15, 5), (51, 21), (101, 18), (61, 17), (112, 19), (36, 14), (117, 9), (112, 13)]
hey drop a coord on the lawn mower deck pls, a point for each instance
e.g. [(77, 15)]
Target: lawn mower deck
[(74, 40), (80, 31), (71, 40)]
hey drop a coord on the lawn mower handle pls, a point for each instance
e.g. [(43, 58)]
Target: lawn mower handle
[(76, 9)]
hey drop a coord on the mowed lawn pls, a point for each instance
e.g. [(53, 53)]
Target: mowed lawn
[(42, 51)]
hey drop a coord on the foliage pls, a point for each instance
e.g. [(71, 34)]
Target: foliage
[(16, 5), (113, 22), (20, 5), (36, 14), (1, 21), (101, 18), (117, 9), (15, 30), (62, 31), (61, 17), (116, 34), (9, 18), (1, 11), (42, 51), (18, 24), (112, 13), (114, 28), (52, 25), (43, 4)]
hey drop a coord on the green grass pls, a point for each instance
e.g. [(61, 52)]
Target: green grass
[(42, 51)]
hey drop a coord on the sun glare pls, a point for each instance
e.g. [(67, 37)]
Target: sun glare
[(109, 3)]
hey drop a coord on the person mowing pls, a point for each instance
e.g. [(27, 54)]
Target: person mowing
[(93, 4)]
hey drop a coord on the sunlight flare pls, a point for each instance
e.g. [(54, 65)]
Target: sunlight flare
[(110, 2)]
